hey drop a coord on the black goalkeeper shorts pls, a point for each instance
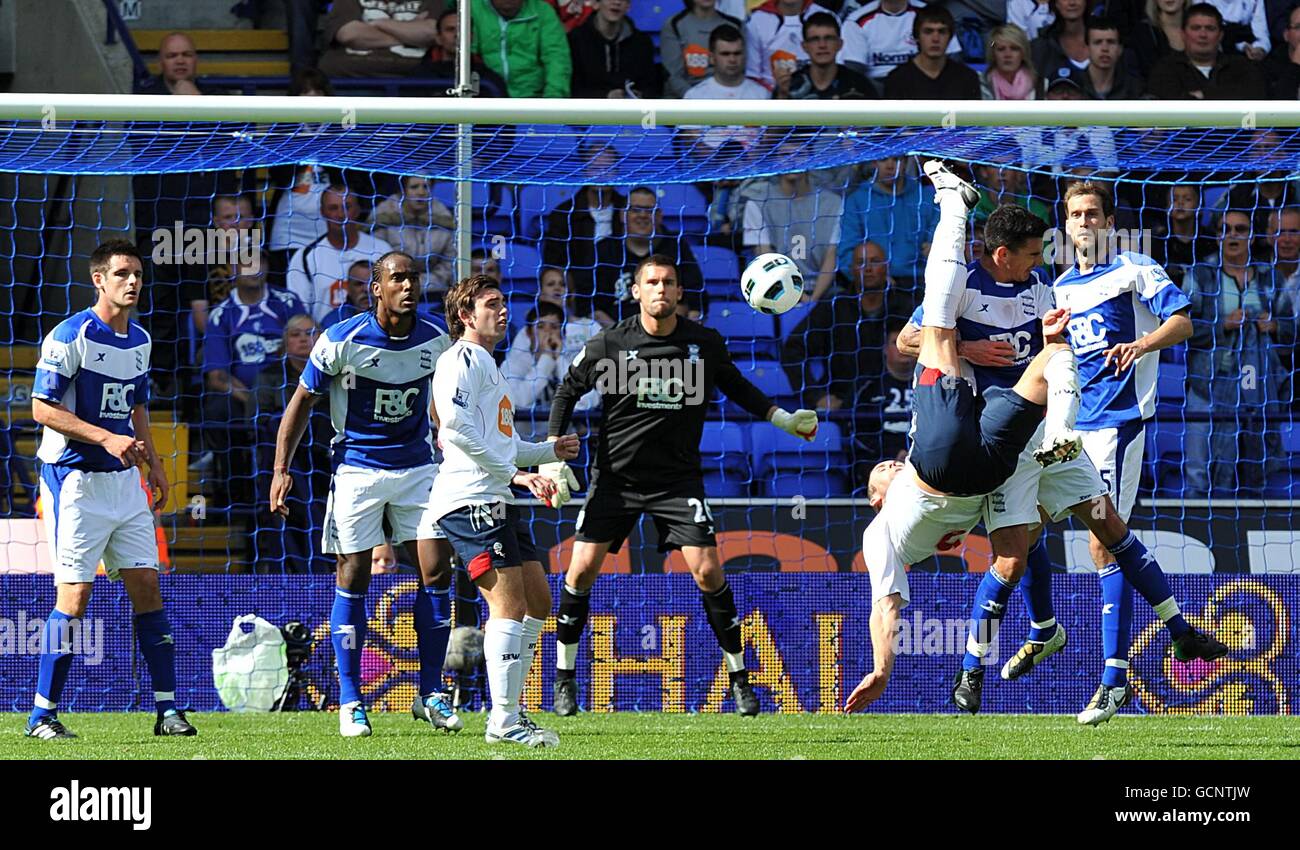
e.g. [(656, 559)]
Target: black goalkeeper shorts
[(681, 515)]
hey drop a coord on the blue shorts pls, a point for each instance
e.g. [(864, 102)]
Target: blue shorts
[(968, 445), (488, 536)]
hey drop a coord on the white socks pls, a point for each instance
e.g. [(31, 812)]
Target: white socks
[(532, 631), (945, 268), (502, 648), (1062, 376)]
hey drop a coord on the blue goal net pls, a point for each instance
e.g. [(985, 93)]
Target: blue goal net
[(233, 217)]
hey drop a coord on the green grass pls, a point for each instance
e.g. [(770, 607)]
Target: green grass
[(665, 736)]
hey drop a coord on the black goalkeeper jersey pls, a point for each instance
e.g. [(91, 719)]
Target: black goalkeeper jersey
[(655, 393)]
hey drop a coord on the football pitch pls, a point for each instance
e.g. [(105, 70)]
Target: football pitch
[(311, 735)]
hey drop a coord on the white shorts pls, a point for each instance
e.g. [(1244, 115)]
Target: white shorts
[(94, 516), (911, 527), (1117, 453), (360, 498), (1057, 488)]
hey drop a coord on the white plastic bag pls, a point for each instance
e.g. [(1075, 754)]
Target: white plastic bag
[(251, 670)]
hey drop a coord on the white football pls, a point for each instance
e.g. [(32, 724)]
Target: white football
[(772, 283)]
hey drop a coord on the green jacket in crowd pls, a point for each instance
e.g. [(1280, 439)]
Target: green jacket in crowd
[(530, 51)]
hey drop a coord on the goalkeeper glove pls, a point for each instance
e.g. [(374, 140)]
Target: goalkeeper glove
[(801, 423), (565, 482)]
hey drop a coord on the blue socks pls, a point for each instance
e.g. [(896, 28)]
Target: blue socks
[(154, 634), (1141, 570), (432, 628), (1036, 588), (56, 660), (986, 615), (348, 635), (1116, 624)]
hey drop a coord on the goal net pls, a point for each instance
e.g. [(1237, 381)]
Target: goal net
[(248, 214)]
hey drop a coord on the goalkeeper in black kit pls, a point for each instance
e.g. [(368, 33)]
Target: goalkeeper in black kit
[(655, 372)]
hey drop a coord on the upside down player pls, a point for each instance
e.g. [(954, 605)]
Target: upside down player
[(964, 446), (376, 368), (648, 460), (1061, 484)]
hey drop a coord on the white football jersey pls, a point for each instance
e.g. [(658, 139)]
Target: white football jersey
[(318, 272), (480, 450), (882, 41)]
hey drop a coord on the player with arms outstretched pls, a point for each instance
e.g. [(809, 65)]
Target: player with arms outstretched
[(1123, 307), (648, 460), (91, 394), (376, 368), (964, 445), (482, 456)]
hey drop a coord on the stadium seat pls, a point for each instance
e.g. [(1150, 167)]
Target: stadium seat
[(786, 467), (1171, 383), (724, 458), (534, 203), (768, 376), (749, 333), (720, 268), (684, 208), (482, 195), (519, 267), (791, 319), (649, 15)]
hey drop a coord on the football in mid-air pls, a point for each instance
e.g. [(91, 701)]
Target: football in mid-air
[(772, 283)]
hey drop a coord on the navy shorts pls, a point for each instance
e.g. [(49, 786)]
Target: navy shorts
[(488, 537), (968, 445), (681, 514)]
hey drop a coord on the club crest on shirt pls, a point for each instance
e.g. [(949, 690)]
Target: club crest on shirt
[(693, 353)]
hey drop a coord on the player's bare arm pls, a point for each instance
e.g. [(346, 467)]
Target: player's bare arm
[(1177, 328), (130, 450), (979, 352), (884, 626), (158, 486), (292, 427)]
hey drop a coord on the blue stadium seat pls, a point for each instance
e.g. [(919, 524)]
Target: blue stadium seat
[(519, 267), (724, 458), (649, 15), (1171, 383), (481, 195), (768, 376), (791, 319), (534, 203), (786, 467), (721, 270), (684, 207), (749, 333)]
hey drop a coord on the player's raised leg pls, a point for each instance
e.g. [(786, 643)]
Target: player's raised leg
[(945, 269)]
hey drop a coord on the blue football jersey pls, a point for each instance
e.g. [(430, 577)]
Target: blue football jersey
[(1114, 303), (379, 390), (99, 375), (1002, 312), (242, 338)]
